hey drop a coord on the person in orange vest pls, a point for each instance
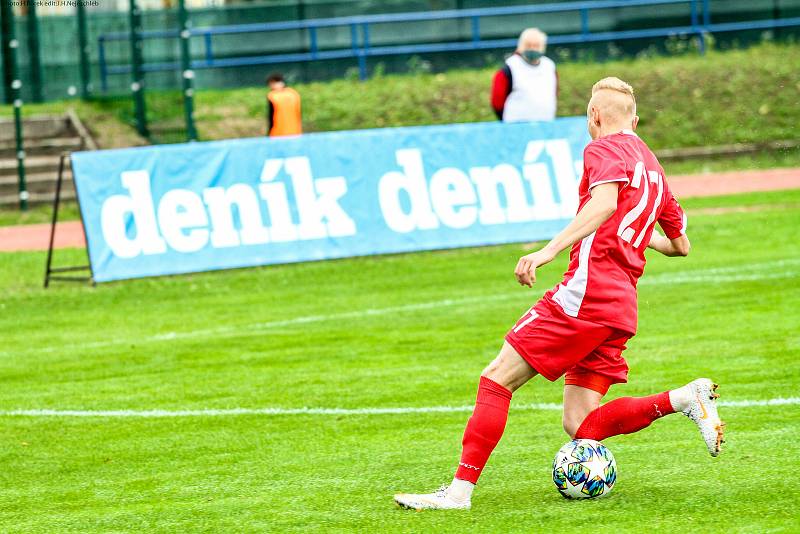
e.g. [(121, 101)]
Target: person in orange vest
[(283, 108)]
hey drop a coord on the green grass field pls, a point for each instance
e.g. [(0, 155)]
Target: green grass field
[(402, 331)]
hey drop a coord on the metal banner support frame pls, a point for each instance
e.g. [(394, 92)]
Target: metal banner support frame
[(53, 273)]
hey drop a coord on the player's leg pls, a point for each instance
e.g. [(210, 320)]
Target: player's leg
[(579, 402), (627, 415), (601, 368), (498, 381), (544, 341), (504, 375)]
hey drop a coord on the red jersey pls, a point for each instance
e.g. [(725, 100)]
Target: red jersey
[(604, 267)]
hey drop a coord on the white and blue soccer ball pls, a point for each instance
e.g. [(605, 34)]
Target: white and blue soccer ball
[(584, 469)]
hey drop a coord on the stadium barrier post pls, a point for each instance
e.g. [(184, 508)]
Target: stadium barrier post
[(362, 63), (137, 85), (20, 145), (5, 52), (584, 22), (209, 53), (706, 10), (358, 52), (701, 43), (312, 35), (187, 73), (101, 59), (83, 51), (49, 269), (11, 44), (34, 53)]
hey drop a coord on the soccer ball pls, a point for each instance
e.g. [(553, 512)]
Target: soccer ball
[(584, 469)]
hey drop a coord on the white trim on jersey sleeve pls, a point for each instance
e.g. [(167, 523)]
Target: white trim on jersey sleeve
[(609, 181), (652, 217), (570, 295)]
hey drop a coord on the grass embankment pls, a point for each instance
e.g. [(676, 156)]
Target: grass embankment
[(746, 95), (738, 96), (724, 97)]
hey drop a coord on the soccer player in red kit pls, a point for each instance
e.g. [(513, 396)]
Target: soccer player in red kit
[(580, 327)]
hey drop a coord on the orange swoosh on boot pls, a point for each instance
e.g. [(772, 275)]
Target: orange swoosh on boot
[(705, 413)]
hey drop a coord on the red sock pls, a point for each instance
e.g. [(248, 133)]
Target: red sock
[(624, 416), (484, 429)]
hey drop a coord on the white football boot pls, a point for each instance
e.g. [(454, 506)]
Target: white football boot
[(702, 410), (438, 500)]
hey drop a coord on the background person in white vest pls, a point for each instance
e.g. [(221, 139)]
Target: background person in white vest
[(526, 88)]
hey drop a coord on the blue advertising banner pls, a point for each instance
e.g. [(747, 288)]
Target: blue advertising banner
[(184, 208)]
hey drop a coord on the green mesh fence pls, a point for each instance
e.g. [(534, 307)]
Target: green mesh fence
[(59, 37)]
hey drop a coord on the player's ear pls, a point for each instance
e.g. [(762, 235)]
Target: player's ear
[(594, 116), (635, 122)]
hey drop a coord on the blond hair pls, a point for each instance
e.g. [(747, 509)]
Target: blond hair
[(612, 83)]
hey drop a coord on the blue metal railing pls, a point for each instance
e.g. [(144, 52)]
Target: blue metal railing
[(699, 24)]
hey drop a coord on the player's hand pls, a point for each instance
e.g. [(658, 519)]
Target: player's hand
[(526, 266)]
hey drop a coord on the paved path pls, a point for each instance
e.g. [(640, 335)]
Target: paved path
[(729, 183), (70, 233)]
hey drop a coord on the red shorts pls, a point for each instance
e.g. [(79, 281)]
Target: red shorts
[(555, 344)]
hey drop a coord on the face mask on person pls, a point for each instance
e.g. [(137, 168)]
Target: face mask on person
[(532, 56)]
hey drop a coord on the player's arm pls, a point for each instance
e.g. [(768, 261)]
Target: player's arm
[(673, 221), (595, 212), (680, 246)]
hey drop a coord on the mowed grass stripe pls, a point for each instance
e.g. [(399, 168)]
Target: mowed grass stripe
[(716, 275), (789, 401)]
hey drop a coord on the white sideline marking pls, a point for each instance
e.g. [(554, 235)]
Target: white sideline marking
[(149, 414), (716, 275)]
